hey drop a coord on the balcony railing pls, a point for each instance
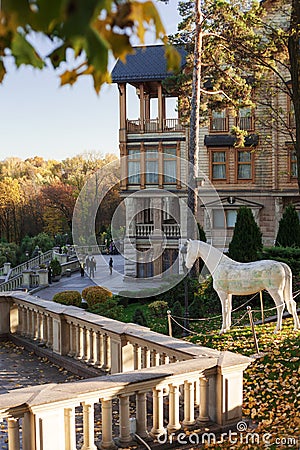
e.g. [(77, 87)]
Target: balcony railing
[(169, 230), (162, 374), (153, 126), (219, 124), (246, 123)]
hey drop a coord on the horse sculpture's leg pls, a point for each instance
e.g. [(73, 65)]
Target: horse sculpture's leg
[(277, 296), (293, 311), (226, 310)]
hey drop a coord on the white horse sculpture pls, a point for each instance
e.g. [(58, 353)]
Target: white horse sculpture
[(235, 278)]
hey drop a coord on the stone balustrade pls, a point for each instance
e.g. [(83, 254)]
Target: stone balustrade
[(155, 370)]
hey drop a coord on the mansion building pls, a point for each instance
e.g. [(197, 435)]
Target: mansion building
[(153, 147)]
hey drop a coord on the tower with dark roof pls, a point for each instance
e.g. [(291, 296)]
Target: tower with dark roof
[(153, 149)]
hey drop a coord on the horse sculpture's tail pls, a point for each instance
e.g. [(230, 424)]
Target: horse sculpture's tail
[(288, 290)]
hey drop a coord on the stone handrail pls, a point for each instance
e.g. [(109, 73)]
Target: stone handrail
[(33, 262), (12, 284), (140, 362)]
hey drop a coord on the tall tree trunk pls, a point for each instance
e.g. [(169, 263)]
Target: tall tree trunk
[(294, 55), (194, 124)]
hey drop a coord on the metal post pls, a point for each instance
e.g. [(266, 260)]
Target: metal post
[(262, 307), (253, 328), (186, 308), (170, 323)]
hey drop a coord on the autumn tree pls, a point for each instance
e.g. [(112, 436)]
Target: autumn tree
[(91, 30), (250, 54), (60, 198)]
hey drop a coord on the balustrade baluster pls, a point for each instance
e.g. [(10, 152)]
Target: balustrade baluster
[(92, 359), (70, 428), (137, 355), (50, 332), (124, 437), (189, 411), (107, 441), (146, 357), (99, 350), (158, 413), (45, 328), (13, 434), (203, 410), (71, 339), (79, 344), (174, 423), (88, 427), (141, 414), (106, 353)]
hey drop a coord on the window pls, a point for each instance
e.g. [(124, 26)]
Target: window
[(219, 121), (245, 119), (293, 164), (224, 218), (290, 113), (170, 165), (151, 166), (134, 166), (218, 165), (244, 165)]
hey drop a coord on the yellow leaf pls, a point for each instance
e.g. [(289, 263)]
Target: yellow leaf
[(68, 77)]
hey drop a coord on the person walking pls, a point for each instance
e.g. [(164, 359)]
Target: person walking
[(92, 268), (111, 263)]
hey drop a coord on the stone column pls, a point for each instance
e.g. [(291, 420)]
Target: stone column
[(86, 345), (189, 415), (79, 343), (93, 355), (28, 431), (45, 328), (146, 357), (158, 413), (71, 339), (106, 353), (137, 355), (203, 409), (174, 423), (141, 414), (99, 350), (155, 357), (124, 420), (88, 428), (50, 332), (70, 428), (13, 434), (107, 441)]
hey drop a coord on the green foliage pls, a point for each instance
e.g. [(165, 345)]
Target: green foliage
[(110, 308), (139, 317), (68, 298), (9, 252), (42, 241), (289, 228), (247, 237), (95, 295), (288, 255), (202, 235), (55, 267), (158, 308), (177, 310), (91, 30)]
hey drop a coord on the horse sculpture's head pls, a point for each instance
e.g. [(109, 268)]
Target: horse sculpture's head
[(191, 253)]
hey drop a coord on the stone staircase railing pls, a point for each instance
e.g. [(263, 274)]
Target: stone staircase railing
[(150, 369), (31, 263)]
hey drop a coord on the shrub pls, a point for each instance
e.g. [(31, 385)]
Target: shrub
[(55, 267), (289, 228), (110, 309), (247, 238), (139, 317), (68, 298), (158, 308), (95, 295)]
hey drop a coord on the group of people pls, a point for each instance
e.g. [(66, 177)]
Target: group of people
[(90, 266)]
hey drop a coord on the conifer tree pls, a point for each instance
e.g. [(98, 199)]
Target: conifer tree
[(247, 237), (289, 229)]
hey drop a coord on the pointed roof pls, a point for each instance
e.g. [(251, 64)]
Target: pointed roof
[(148, 63)]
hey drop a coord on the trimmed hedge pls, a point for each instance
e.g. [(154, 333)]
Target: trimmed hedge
[(94, 295), (72, 298)]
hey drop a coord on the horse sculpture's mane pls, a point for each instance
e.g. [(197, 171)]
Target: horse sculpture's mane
[(211, 256)]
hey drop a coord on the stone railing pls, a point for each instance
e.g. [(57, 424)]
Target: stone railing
[(33, 262), (171, 230), (144, 229), (157, 371), (12, 284)]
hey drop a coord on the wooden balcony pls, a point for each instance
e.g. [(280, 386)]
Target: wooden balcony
[(218, 124), (153, 126)]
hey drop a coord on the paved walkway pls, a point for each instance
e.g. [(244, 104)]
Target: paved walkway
[(115, 282)]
